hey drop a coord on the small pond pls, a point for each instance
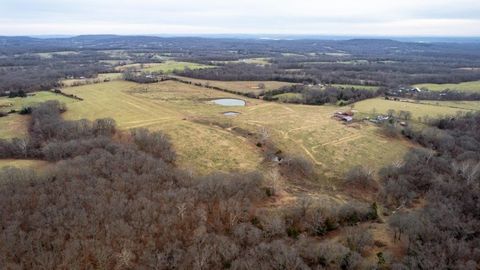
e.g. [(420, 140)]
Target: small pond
[(231, 113), (229, 102)]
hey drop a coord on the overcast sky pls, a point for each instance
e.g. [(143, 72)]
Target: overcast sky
[(317, 17)]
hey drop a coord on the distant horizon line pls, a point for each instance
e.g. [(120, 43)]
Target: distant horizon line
[(267, 36)]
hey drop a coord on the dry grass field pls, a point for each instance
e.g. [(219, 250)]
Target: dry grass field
[(165, 67), (176, 109), (418, 109), (168, 106)]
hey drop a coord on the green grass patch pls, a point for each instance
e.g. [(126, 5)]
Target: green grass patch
[(418, 109), (8, 104), (288, 97), (468, 87)]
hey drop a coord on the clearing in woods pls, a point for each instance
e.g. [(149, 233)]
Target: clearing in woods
[(240, 86), (15, 125), (23, 163), (356, 86), (164, 67), (8, 104)]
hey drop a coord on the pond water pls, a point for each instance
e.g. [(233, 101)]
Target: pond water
[(229, 102), (231, 113)]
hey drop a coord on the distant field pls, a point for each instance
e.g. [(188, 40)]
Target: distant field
[(256, 61), (473, 86), (339, 54), (464, 105), (100, 77), (356, 86), (7, 104), (241, 86), (381, 106), (51, 54), (347, 62), (165, 67)]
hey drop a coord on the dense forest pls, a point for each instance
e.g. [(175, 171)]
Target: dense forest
[(445, 174)]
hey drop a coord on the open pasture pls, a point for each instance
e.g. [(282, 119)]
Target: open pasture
[(169, 106), (255, 61), (310, 131), (468, 87), (175, 109), (48, 55), (418, 109), (462, 105)]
